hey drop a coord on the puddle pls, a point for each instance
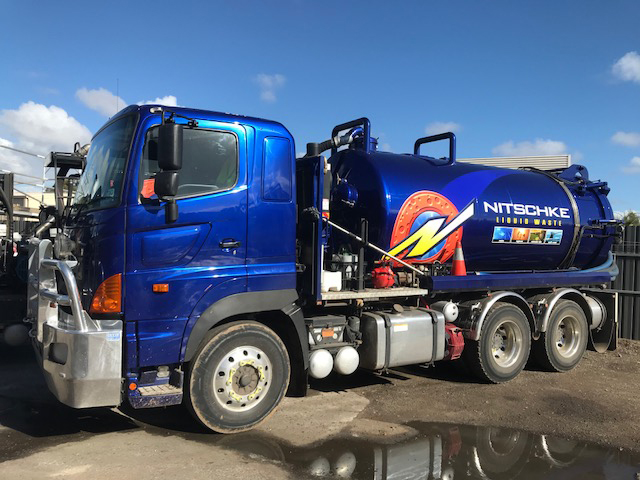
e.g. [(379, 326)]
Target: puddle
[(442, 451), (32, 420)]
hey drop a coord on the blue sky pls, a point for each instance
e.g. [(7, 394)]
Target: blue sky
[(508, 77)]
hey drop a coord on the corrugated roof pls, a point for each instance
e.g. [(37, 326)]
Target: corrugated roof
[(543, 162)]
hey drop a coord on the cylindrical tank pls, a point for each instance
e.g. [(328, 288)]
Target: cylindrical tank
[(506, 219)]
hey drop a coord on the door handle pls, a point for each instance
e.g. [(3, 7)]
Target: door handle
[(229, 243)]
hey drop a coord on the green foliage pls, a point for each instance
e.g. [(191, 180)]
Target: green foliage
[(631, 218)]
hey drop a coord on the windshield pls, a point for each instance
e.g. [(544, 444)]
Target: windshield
[(100, 185)]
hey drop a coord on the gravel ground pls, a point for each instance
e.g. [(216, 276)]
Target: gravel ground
[(598, 401), (40, 438)]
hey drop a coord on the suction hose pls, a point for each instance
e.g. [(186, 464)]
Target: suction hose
[(314, 149)]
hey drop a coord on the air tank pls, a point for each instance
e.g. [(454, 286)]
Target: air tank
[(419, 208)]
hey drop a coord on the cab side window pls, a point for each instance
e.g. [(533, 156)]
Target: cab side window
[(209, 162)]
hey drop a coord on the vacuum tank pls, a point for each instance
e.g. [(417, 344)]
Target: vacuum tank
[(506, 220)]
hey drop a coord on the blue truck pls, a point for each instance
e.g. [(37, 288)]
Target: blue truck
[(202, 263)]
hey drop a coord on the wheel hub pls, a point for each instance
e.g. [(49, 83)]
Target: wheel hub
[(242, 378), (506, 343), (567, 336), (245, 380)]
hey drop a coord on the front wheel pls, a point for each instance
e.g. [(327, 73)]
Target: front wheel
[(238, 377), (503, 348)]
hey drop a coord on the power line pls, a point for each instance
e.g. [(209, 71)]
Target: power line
[(23, 174), (22, 151)]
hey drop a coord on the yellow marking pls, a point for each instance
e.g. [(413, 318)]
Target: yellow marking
[(526, 221), (232, 372), (431, 233), (508, 219), (536, 221)]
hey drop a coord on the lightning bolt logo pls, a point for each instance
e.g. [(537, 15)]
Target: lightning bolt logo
[(432, 233)]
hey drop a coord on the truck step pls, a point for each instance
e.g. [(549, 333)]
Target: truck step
[(159, 390), (371, 294)]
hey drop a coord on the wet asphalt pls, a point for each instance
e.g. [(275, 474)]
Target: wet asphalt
[(34, 421)]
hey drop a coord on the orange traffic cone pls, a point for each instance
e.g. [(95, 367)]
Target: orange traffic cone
[(458, 267)]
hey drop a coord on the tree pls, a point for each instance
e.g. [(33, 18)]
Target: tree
[(631, 218)]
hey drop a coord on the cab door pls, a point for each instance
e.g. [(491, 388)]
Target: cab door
[(171, 266)]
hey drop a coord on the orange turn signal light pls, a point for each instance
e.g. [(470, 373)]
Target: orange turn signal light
[(160, 287), (108, 296)]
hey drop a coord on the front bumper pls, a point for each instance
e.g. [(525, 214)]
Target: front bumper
[(81, 357)]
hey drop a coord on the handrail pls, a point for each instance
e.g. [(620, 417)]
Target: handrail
[(434, 138), (364, 122)]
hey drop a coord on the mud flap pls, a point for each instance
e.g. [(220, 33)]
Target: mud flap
[(606, 337)]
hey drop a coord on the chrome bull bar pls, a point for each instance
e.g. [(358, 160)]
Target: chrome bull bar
[(81, 357)]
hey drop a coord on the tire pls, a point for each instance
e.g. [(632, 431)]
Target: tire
[(502, 451), (503, 348), (562, 346), (238, 377)]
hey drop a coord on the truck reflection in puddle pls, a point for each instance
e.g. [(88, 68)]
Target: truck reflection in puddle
[(447, 452)]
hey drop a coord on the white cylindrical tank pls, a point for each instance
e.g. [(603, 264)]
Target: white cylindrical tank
[(320, 363), (346, 361)]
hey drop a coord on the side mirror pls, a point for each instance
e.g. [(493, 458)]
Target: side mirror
[(166, 187), (170, 146), (166, 184)]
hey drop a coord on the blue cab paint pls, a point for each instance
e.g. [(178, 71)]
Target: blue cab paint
[(134, 239)]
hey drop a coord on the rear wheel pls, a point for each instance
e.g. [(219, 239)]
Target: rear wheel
[(503, 348), (238, 377), (562, 346)]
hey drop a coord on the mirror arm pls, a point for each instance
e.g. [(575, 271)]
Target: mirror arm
[(170, 210)]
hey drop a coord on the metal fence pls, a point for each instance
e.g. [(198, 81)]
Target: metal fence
[(628, 283)]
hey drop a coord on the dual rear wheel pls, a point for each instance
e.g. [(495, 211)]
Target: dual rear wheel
[(503, 349), (562, 346)]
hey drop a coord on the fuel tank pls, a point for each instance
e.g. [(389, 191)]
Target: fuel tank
[(419, 208)]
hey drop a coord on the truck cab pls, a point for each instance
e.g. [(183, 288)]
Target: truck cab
[(126, 297)]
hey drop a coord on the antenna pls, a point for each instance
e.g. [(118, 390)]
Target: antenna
[(117, 95)]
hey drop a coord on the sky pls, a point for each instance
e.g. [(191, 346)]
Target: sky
[(509, 78)]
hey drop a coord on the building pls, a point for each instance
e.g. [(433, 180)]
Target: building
[(545, 162)]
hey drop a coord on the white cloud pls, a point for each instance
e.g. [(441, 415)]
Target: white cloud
[(633, 166), (105, 102), (10, 160), (538, 147), (269, 84), (167, 100), (442, 127), (627, 68), (628, 139), (39, 129), (101, 100)]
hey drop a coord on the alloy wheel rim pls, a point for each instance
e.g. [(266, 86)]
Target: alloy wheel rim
[(506, 344), (242, 378), (567, 337)]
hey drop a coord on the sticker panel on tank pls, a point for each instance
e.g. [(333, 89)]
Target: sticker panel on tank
[(531, 236)]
